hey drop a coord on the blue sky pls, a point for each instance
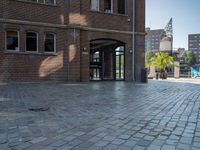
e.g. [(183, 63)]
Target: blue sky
[(185, 14)]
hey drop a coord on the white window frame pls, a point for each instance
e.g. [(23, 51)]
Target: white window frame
[(98, 2), (54, 2), (36, 41), (55, 40), (111, 9), (6, 41), (112, 5)]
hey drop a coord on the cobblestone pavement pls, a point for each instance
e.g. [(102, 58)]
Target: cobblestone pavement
[(100, 116)]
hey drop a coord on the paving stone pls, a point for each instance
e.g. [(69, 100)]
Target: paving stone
[(144, 143), (122, 147), (102, 143), (95, 139), (94, 148), (59, 143), (124, 137), (138, 148), (86, 144), (185, 140), (119, 115), (25, 145), (168, 147), (79, 133), (70, 138), (111, 147), (37, 140), (118, 141), (130, 143), (196, 144), (3, 146), (154, 147), (183, 146), (158, 142)]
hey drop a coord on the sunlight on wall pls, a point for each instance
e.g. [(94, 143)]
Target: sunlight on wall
[(51, 64), (76, 18), (72, 52), (62, 19)]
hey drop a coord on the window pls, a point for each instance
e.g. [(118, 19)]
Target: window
[(50, 42), (49, 1), (108, 5), (52, 2), (121, 6), (94, 5), (12, 40), (195, 52), (31, 41)]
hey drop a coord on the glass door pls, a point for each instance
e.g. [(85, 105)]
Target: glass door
[(119, 64)]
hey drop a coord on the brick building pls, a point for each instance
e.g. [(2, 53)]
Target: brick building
[(71, 40), (194, 45), (153, 38), (160, 39)]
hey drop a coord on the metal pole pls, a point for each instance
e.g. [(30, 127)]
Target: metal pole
[(133, 43)]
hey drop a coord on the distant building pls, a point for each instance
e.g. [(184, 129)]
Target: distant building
[(152, 41), (180, 55), (160, 39), (194, 45)]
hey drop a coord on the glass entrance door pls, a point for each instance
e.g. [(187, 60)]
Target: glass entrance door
[(96, 66), (107, 60), (119, 63)]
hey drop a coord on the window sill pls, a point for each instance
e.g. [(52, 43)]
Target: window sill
[(108, 13), (35, 3), (29, 53)]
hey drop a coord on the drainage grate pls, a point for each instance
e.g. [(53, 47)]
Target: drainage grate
[(39, 109)]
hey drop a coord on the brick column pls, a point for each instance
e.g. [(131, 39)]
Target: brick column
[(139, 38)]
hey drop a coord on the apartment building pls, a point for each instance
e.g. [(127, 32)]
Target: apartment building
[(194, 45), (78, 40), (160, 39), (153, 38)]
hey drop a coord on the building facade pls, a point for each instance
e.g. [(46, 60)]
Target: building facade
[(152, 41), (71, 40), (160, 39), (194, 46)]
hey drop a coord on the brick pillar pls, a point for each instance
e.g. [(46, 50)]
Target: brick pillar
[(85, 56), (73, 64), (139, 38)]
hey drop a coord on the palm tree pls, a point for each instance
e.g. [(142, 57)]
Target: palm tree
[(148, 58), (161, 60)]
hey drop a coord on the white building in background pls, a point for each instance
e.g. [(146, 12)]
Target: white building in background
[(160, 39)]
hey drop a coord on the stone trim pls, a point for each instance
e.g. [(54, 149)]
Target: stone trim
[(13, 21)]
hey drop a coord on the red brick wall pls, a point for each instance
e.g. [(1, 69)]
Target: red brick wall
[(24, 66), (71, 62), (139, 39), (19, 10)]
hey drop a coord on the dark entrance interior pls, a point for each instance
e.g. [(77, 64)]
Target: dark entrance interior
[(107, 60)]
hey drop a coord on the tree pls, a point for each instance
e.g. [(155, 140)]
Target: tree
[(148, 58), (190, 58), (161, 60)]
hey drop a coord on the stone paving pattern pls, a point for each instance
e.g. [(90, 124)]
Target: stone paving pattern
[(100, 116)]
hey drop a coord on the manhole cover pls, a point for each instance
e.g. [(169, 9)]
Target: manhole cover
[(39, 109)]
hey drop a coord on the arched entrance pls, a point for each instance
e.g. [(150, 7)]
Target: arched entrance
[(107, 61)]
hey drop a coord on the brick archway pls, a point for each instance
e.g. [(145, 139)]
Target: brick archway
[(107, 59)]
